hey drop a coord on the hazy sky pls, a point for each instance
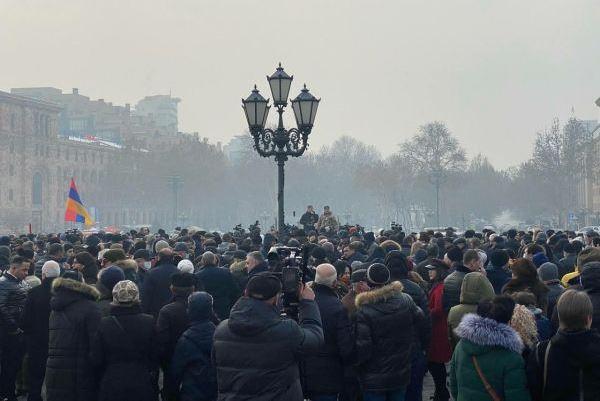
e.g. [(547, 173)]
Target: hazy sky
[(494, 71)]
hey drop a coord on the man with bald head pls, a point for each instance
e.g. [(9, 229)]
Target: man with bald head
[(325, 370), (156, 289)]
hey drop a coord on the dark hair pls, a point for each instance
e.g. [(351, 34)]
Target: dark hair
[(499, 258), (17, 260), (470, 256), (55, 249), (499, 309), (433, 251)]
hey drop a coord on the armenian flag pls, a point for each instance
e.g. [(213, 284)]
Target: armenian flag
[(75, 211)]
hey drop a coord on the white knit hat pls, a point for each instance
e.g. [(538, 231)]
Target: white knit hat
[(185, 266)]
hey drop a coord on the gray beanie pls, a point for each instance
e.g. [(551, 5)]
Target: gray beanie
[(548, 271)]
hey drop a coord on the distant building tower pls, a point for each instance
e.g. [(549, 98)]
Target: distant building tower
[(162, 109)]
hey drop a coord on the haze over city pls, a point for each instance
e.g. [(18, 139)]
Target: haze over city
[(495, 73)]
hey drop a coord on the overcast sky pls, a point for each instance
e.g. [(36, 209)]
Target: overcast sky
[(494, 71)]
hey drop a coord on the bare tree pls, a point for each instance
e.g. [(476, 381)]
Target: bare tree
[(436, 153)]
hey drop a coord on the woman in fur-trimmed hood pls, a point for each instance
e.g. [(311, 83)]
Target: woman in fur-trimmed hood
[(385, 321), (72, 325), (488, 340)]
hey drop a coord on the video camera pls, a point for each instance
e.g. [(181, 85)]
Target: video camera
[(292, 271)]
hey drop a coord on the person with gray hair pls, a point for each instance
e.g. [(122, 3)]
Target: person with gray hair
[(35, 327), (208, 259), (325, 368)]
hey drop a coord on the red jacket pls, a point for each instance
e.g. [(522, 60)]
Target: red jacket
[(439, 348)]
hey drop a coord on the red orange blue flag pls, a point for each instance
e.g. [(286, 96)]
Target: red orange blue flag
[(75, 211)]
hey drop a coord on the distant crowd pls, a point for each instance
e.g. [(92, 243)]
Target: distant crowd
[(196, 315)]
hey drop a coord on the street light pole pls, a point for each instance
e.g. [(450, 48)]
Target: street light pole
[(280, 143)]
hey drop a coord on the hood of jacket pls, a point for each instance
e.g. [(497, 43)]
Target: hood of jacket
[(475, 287), (250, 317), (484, 334), (590, 277), (379, 295), (67, 291)]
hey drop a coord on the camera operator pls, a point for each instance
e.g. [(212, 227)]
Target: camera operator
[(257, 352)]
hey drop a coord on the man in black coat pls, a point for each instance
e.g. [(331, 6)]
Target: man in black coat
[(257, 352), (497, 270), (255, 264), (55, 253), (309, 219), (324, 372), (73, 324), (156, 291), (171, 323), (13, 296), (35, 328), (471, 262), (219, 283), (590, 281), (385, 321)]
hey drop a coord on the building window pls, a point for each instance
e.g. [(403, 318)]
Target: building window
[(13, 122), (10, 195), (36, 190), (67, 154), (77, 125)]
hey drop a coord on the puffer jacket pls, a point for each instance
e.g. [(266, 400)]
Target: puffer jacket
[(590, 281), (452, 285), (475, 288), (257, 352), (497, 348), (73, 324), (385, 321), (13, 296), (571, 354)]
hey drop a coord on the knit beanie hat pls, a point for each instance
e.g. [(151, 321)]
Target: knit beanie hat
[(539, 259), (396, 262), (378, 274), (185, 266), (548, 271), (160, 245), (358, 276), (263, 286), (114, 255), (110, 276), (141, 254), (200, 306), (455, 254), (125, 292)]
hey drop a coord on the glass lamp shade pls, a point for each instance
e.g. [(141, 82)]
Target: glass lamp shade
[(256, 108), (280, 83), (305, 108)]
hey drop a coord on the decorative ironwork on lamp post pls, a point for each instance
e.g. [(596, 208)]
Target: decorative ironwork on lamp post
[(280, 143)]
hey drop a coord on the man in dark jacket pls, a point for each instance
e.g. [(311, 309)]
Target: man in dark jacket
[(548, 273), (255, 264), (171, 323), (35, 328), (192, 369), (219, 283), (324, 372), (309, 219), (432, 253), (156, 291), (471, 262), (397, 264), (13, 296), (385, 322), (257, 352), (73, 324), (55, 253), (569, 261), (497, 270), (590, 281)]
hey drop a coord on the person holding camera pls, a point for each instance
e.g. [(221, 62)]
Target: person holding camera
[(256, 352)]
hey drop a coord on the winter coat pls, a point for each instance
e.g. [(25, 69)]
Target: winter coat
[(497, 348), (590, 280), (498, 277), (156, 292), (13, 296), (124, 354), (538, 289), (475, 288), (385, 321), (567, 265), (422, 335), (324, 371), (192, 368), (257, 352), (35, 320), (308, 221), (439, 348), (348, 301), (574, 358), (105, 299), (171, 323), (452, 285), (555, 291), (73, 324), (219, 283)]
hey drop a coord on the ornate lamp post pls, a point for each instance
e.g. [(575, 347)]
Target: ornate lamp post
[(280, 143)]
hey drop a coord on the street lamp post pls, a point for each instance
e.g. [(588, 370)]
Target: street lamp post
[(280, 143)]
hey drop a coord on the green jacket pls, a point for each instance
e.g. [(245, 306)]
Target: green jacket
[(497, 348), (475, 288)]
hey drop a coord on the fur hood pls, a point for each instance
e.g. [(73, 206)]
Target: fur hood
[(380, 294), (489, 333), (75, 286)]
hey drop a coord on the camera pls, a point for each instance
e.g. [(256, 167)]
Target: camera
[(290, 266)]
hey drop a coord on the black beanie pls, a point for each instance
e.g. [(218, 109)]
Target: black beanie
[(396, 263), (378, 274), (455, 254), (263, 286)]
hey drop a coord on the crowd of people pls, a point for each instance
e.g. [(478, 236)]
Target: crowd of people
[(197, 315)]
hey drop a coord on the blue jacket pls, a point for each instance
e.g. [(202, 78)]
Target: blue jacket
[(191, 366), (498, 276)]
